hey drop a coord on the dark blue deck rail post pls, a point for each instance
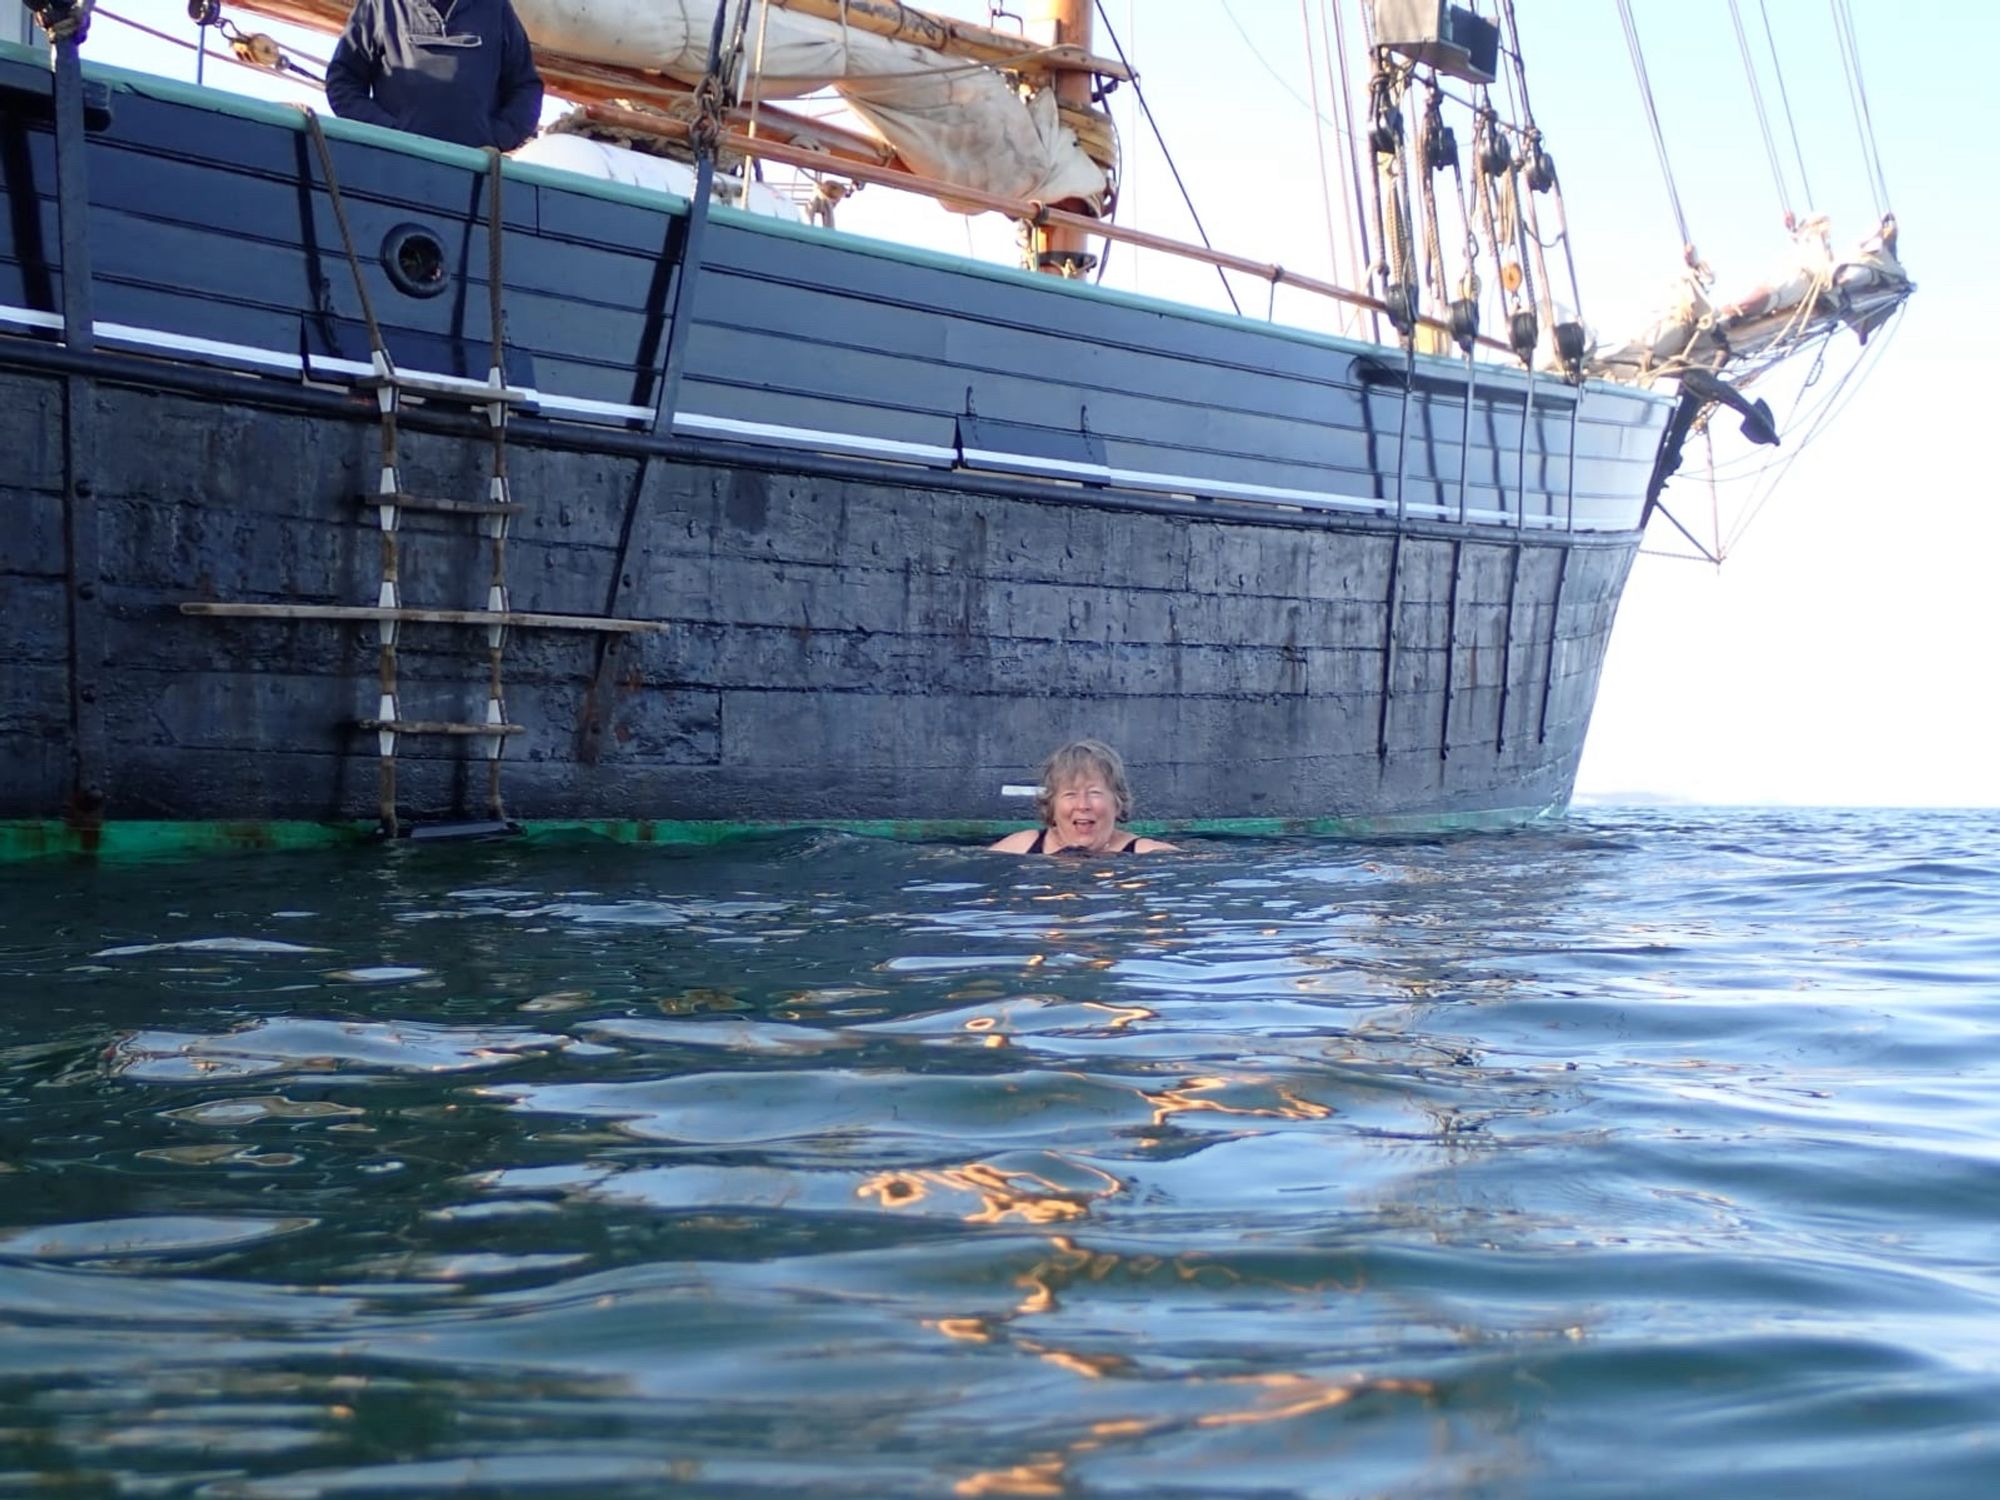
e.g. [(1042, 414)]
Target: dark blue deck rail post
[(1507, 647), (66, 21), (1555, 637), (666, 396), (72, 194), (1450, 648), (1392, 605)]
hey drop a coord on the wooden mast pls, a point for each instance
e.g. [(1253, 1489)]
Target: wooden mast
[(1059, 249)]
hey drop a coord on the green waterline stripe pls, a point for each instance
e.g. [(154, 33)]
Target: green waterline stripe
[(28, 839)]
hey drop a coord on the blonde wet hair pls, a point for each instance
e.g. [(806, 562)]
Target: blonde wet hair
[(1075, 761)]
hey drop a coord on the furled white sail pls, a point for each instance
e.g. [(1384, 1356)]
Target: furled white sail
[(952, 120), (1814, 293)]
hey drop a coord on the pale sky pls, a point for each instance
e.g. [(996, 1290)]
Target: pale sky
[(1843, 652)]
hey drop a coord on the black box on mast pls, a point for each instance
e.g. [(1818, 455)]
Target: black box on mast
[(1447, 37)]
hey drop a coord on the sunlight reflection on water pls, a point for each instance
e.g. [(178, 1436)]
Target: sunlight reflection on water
[(1643, 1145)]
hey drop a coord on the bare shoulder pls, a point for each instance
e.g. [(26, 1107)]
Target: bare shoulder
[(1154, 846), (1017, 843)]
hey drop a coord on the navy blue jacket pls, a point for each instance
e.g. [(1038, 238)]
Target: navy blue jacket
[(459, 70)]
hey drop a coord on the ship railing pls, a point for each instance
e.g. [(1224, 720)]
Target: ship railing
[(1040, 215)]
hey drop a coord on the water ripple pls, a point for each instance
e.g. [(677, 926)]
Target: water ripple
[(1646, 1153)]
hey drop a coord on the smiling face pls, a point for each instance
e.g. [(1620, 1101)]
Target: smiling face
[(1083, 796), (1084, 812)]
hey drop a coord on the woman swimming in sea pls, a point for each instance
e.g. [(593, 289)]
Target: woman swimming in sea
[(1082, 799)]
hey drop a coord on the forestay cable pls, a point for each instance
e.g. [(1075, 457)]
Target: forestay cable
[(1785, 98), (1763, 115), (1357, 218), (1653, 120), (1147, 110), (1864, 122), (1319, 140)]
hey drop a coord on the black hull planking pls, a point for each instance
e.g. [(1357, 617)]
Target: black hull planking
[(909, 521)]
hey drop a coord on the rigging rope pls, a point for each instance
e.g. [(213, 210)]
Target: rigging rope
[(757, 65), (1395, 270), (1830, 406), (1706, 555), (1653, 121), (1147, 110), (1763, 115), (1492, 158), (380, 350), (1768, 469), (1567, 337), (1319, 143), (1357, 226), (1265, 62), (1526, 213), (1425, 149), (242, 44), (1784, 96), (1850, 57), (1714, 494), (1465, 320)]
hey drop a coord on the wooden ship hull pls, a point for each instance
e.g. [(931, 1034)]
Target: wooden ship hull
[(800, 528)]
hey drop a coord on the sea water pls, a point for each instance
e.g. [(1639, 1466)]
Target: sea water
[(1650, 1152)]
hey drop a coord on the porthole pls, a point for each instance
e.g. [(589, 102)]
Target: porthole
[(414, 259)]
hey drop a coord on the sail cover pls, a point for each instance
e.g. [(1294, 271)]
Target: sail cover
[(1814, 294), (956, 121)]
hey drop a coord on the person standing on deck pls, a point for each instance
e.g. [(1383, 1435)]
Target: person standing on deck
[(457, 70)]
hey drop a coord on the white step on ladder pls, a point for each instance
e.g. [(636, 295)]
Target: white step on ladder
[(390, 499), (493, 515)]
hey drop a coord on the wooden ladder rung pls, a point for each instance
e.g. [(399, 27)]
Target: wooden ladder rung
[(450, 388), (514, 619), (403, 501), (439, 726)]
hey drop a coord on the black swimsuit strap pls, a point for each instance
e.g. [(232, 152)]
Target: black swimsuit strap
[(1041, 844)]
